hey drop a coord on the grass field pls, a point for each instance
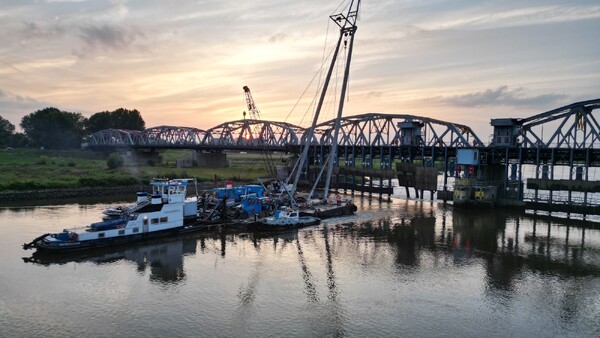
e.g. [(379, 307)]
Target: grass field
[(25, 169)]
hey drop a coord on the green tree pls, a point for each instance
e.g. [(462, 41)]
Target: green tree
[(119, 119), (18, 140), (7, 129), (54, 129)]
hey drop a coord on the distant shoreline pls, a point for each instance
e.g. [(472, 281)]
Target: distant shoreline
[(8, 196), (64, 193)]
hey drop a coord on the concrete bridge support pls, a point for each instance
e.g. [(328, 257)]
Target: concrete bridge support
[(140, 156), (210, 160)]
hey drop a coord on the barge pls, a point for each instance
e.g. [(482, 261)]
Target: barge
[(166, 211)]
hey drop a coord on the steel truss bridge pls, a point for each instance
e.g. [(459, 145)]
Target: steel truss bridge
[(572, 136), (359, 131), (566, 137)]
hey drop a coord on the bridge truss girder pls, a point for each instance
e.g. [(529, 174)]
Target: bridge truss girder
[(359, 130), (241, 135), (116, 138), (385, 129), (253, 133), (170, 135), (577, 127)]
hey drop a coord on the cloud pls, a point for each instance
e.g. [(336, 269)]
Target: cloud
[(501, 96), (374, 94), (13, 107), (59, 1), (108, 37), (7, 98), (278, 37), (523, 16), (33, 30)]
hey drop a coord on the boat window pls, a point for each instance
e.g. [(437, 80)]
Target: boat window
[(164, 219), (101, 235), (135, 230), (154, 221), (145, 221), (121, 232)]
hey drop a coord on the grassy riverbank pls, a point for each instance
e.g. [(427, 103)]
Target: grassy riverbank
[(29, 169)]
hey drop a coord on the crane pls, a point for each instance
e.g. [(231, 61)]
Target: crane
[(252, 110), (254, 114), (347, 24)]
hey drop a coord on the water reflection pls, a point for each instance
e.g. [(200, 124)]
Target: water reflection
[(506, 241), (326, 313), (505, 248), (499, 238), (163, 259)]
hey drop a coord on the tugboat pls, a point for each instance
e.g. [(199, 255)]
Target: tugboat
[(284, 219), (165, 212)]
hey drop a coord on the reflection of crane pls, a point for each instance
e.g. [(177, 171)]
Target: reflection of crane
[(254, 114), (311, 290)]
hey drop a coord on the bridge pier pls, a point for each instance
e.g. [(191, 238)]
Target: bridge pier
[(150, 157), (204, 160), (210, 159)]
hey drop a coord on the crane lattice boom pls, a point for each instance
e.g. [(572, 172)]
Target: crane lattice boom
[(254, 114)]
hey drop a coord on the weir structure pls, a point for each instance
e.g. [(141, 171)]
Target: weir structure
[(548, 161)]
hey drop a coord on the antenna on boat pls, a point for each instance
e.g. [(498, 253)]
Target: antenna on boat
[(347, 24)]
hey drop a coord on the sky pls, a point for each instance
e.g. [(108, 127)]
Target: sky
[(184, 63)]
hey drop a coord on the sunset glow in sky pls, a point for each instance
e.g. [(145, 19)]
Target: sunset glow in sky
[(185, 62)]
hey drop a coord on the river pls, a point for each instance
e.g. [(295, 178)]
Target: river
[(403, 268)]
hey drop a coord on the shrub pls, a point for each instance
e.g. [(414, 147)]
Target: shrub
[(114, 161), (71, 164)]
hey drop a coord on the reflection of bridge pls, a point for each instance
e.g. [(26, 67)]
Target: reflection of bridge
[(568, 136)]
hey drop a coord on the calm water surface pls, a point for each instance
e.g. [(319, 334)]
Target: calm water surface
[(404, 268)]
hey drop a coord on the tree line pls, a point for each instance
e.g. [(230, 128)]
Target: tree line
[(53, 128)]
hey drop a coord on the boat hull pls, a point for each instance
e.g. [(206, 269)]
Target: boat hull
[(69, 246), (330, 211)]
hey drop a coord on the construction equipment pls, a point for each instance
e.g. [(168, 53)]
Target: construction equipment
[(254, 114)]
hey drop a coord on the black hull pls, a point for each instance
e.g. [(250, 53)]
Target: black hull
[(121, 240), (327, 211)]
